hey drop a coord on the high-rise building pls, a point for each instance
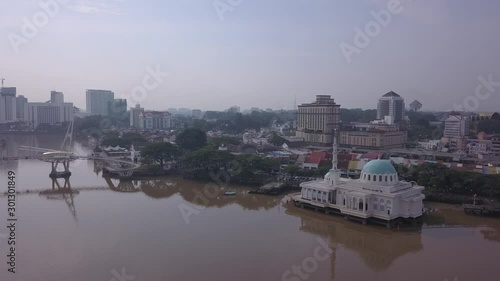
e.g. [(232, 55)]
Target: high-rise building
[(393, 105), (117, 108), (20, 102), (373, 136), (56, 97), (317, 121), (155, 120), (135, 113), (54, 112), (197, 114), (8, 105), (98, 101), (415, 106), (36, 113), (234, 109), (495, 144), (456, 126), (456, 129)]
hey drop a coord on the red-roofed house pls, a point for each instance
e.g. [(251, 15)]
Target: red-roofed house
[(372, 155), (316, 159)]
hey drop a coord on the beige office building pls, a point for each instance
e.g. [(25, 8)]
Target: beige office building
[(36, 113), (317, 121), (374, 139)]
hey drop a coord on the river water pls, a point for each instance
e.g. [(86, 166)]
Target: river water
[(175, 229)]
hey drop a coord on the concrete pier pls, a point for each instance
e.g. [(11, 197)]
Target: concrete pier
[(60, 174)]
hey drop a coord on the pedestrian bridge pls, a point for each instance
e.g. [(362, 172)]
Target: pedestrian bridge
[(121, 167), (64, 156)]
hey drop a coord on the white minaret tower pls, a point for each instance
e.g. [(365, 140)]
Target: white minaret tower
[(335, 172), (335, 151)]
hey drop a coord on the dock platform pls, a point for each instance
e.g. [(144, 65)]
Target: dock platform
[(482, 210), (272, 188)]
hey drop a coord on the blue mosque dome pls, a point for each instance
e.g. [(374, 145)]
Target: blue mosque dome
[(379, 167)]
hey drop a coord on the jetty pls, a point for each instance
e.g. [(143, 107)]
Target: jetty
[(276, 186), (482, 210), (271, 188)]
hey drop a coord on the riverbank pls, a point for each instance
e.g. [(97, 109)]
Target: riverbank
[(260, 180), (32, 133), (143, 172), (456, 199)]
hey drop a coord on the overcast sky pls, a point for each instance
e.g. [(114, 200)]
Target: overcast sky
[(261, 53)]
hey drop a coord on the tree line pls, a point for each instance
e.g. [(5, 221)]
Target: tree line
[(439, 179)]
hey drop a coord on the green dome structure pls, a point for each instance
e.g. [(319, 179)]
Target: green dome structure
[(379, 167)]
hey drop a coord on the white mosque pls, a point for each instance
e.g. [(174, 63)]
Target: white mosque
[(377, 196)]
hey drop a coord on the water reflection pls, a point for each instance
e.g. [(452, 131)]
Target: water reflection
[(448, 216), (491, 234), (160, 188), (61, 191), (206, 195), (126, 186), (378, 247)]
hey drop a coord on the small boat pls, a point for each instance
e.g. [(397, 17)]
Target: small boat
[(230, 193)]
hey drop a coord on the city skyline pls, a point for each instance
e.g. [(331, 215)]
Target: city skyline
[(258, 54), (243, 108)]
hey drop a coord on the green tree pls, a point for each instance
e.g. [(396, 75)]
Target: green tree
[(292, 170), (115, 141), (207, 159), (126, 140), (321, 171), (159, 153), (490, 126), (191, 139), (203, 125)]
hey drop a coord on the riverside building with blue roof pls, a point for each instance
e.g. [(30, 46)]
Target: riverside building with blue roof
[(378, 196)]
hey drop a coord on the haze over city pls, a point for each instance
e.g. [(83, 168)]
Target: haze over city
[(152, 140), (257, 53)]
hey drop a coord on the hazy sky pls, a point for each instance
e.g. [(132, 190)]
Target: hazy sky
[(262, 53)]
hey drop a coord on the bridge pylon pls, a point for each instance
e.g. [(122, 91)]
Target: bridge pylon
[(55, 173)]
